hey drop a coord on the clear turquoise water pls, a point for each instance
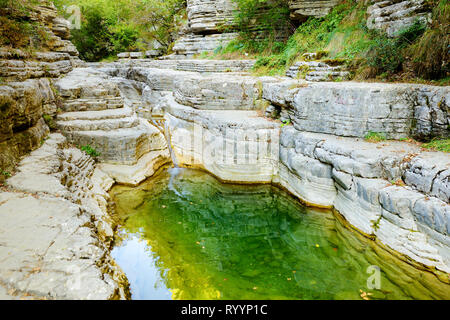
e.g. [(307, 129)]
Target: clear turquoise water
[(185, 235)]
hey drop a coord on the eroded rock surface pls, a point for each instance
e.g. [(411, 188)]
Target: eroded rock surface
[(96, 115), (302, 9), (392, 191), (206, 16), (354, 109), (393, 16), (55, 229), (26, 86)]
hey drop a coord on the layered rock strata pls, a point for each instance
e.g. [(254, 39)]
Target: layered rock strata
[(208, 16), (393, 192), (359, 179), (205, 90), (95, 115), (317, 71), (211, 25), (26, 86), (189, 45), (220, 142), (191, 65), (56, 233), (354, 109), (393, 16), (204, 31), (302, 9)]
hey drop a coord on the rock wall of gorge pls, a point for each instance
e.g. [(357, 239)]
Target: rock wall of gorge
[(56, 230), (393, 191), (26, 87)]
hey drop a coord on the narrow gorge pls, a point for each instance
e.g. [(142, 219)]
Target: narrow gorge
[(299, 143)]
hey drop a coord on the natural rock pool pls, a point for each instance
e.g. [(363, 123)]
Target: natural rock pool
[(185, 235)]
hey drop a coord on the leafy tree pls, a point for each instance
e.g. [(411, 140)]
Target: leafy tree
[(93, 40), (160, 20), (112, 26)]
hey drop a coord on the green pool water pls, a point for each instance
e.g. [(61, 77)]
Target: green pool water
[(185, 235)]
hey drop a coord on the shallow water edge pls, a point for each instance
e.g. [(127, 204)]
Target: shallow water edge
[(378, 252)]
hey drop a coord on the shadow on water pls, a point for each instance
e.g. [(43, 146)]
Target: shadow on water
[(185, 235)]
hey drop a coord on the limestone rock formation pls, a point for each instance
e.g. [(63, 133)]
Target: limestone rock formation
[(317, 71), (95, 115), (209, 16), (26, 86), (354, 109), (56, 231), (394, 15), (204, 31), (210, 26), (212, 123), (302, 9)]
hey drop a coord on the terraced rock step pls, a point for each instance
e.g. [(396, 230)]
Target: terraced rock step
[(226, 92), (191, 44), (302, 9), (194, 65), (360, 179), (92, 104), (317, 71), (102, 124), (97, 116)]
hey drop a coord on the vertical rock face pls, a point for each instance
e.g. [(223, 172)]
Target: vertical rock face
[(204, 30), (394, 15), (208, 16), (211, 25), (302, 9), (26, 90)]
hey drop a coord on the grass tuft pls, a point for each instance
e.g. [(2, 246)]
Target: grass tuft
[(438, 145), (373, 136)]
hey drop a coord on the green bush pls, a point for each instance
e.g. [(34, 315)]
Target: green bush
[(261, 23), (112, 26), (385, 56), (90, 151), (431, 54)]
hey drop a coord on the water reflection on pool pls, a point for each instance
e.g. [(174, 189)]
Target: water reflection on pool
[(185, 235)]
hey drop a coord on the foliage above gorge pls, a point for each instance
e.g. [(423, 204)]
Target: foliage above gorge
[(112, 26), (419, 51)]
